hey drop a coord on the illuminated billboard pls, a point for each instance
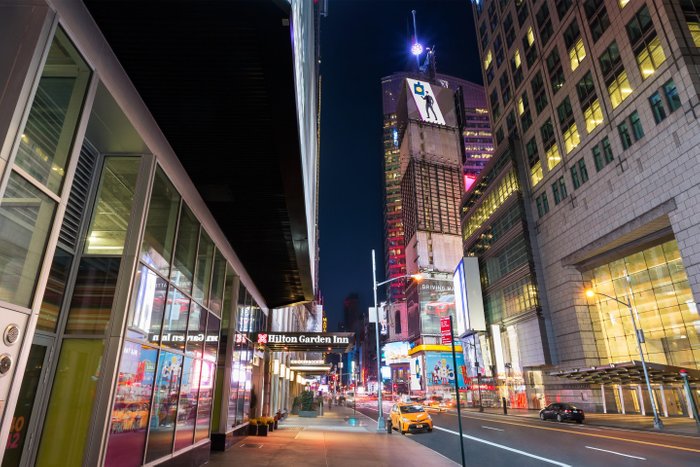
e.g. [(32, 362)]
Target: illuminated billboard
[(440, 371), (426, 303), (425, 100), (469, 302), (428, 102)]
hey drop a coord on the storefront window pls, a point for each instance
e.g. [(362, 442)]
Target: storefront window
[(187, 407), (175, 322), (206, 391), (662, 298), (148, 306), (46, 141), (195, 331), (55, 290), (157, 246), (211, 343), (163, 418), (205, 259), (26, 215), (217, 283), (91, 305), (182, 272), (112, 212), (132, 404), (67, 420)]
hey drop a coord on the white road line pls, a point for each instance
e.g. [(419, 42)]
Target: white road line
[(617, 453), (544, 459), (492, 428)]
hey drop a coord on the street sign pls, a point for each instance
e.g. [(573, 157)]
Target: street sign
[(445, 330)]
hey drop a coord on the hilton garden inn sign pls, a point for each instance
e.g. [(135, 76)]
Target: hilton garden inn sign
[(305, 341)]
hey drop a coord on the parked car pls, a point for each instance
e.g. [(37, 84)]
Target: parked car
[(408, 417), (349, 398), (562, 411)]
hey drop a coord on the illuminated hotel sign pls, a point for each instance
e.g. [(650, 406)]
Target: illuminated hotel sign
[(425, 100), (307, 362), (301, 341)]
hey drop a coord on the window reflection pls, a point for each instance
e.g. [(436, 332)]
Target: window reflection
[(204, 404), (55, 290), (187, 407), (195, 331), (205, 259), (162, 426), (157, 247), (48, 135), (132, 403), (26, 215), (148, 306), (175, 322), (185, 251), (91, 305)]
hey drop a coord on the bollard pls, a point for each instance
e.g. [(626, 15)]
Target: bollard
[(388, 425), (505, 407)]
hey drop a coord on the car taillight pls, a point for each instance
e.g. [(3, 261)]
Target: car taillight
[(567, 411)]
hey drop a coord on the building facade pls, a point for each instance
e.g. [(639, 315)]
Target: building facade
[(126, 310), (597, 100)]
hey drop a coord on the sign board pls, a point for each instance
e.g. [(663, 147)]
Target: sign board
[(445, 331), (469, 303), (426, 101)]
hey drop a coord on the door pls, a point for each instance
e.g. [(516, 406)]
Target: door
[(25, 420)]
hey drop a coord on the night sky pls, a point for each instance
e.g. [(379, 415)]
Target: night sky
[(362, 41)]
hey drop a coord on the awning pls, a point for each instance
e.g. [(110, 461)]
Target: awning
[(305, 341), (628, 373)]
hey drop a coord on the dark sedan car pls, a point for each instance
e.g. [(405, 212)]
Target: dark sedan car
[(562, 412)]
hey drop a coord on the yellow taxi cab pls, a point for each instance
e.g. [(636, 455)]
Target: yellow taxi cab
[(410, 417)]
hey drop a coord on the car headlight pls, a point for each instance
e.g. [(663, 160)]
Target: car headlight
[(405, 420)]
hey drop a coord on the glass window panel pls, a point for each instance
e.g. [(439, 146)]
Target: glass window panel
[(187, 406), (217, 285), (55, 290), (211, 343), (25, 404), (206, 391), (182, 272), (132, 405), (660, 276), (47, 137), (677, 270), (157, 247), (195, 331), (67, 421), (162, 425), (148, 306), (26, 215), (671, 251), (175, 322), (654, 256), (91, 304), (205, 260), (112, 212)]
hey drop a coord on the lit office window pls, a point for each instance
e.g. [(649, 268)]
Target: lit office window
[(487, 60), (593, 115), (623, 3), (577, 53), (553, 156), (649, 57), (571, 138), (619, 89), (695, 32)]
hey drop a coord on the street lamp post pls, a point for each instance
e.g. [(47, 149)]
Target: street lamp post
[(380, 416), (639, 333)]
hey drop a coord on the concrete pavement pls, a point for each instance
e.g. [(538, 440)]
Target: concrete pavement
[(339, 438)]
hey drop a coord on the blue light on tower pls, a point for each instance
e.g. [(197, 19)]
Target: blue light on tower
[(416, 49)]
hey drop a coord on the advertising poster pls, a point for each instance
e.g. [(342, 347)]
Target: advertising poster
[(437, 300), (426, 101), (416, 374), (440, 370)]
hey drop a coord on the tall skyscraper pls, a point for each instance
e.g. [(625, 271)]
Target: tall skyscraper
[(478, 147), (594, 106)]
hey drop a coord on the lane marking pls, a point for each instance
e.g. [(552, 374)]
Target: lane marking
[(507, 448), (593, 435), (617, 453), (492, 428)]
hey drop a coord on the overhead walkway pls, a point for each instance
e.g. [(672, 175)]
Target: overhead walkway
[(339, 438)]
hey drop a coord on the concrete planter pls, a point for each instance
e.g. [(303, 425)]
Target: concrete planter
[(308, 413)]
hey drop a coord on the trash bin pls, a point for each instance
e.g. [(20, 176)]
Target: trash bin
[(505, 407), (388, 425)]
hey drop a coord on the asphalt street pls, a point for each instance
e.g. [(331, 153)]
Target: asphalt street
[(494, 440)]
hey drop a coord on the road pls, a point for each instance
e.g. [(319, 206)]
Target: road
[(494, 440)]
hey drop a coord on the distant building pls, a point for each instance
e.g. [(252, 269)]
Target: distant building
[(595, 108)]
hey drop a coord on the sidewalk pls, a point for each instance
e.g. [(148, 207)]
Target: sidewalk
[(672, 425), (336, 439)]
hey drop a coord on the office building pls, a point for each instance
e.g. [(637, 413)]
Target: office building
[(594, 107), (138, 171)]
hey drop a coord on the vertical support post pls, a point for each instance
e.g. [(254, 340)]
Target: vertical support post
[(602, 395), (664, 406), (459, 410), (622, 398), (692, 408), (640, 396), (380, 415)]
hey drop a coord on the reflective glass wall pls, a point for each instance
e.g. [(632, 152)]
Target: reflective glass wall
[(661, 296)]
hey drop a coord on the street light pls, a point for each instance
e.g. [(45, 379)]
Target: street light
[(640, 338), (417, 277)]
